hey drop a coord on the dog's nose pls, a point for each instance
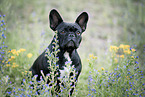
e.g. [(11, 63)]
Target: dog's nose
[(71, 35)]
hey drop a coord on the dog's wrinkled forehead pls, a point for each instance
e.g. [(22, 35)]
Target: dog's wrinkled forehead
[(69, 27)]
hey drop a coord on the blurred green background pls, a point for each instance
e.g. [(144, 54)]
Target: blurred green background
[(111, 22)]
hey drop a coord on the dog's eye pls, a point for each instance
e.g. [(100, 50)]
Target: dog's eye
[(62, 32), (78, 32)]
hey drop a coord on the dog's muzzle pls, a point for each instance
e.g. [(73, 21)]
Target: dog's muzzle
[(70, 44)]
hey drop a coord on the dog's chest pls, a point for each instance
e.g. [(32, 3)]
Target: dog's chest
[(65, 71)]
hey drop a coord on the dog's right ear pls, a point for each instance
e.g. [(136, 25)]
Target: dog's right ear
[(54, 19), (82, 20)]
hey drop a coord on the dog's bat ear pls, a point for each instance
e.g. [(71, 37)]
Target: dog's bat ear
[(54, 19), (82, 20)]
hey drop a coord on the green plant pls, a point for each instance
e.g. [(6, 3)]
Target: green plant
[(125, 78)]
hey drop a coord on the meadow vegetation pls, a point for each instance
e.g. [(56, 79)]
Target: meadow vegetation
[(112, 50)]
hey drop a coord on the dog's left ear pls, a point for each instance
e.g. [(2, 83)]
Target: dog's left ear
[(54, 19), (82, 20)]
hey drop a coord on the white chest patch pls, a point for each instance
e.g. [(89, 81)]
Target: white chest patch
[(66, 55), (66, 69)]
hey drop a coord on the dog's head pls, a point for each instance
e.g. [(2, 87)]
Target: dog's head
[(69, 34)]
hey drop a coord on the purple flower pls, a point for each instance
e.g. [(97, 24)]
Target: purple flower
[(36, 76), (9, 92), (47, 85), (31, 82), (2, 21), (4, 29), (141, 71), (130, 76), (136, 62), (130, 85), (28, 95), (142, 77), (24, 80), (134, 94), (19, 89), (48, 74)]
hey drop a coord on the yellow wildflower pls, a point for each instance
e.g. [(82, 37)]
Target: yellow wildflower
[(127, 51), (132, 57), (9, 60), (29, 55), (94, 57), (14, 65), (102, 68), (91, 55), (133, 50), (26, 71), (113, 48), (121, 46), (13, 51), (22, 50), (127, 46), (121, 56), (8, 65), (124, 46), (18, 51), (12, 57), (3, 61)]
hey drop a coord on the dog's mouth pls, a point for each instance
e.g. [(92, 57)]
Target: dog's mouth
[(70, 45)]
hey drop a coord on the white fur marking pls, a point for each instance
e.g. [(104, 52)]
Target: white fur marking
[(65, 72), (66, 55)]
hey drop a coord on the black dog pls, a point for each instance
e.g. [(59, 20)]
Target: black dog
[(69, 39)]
